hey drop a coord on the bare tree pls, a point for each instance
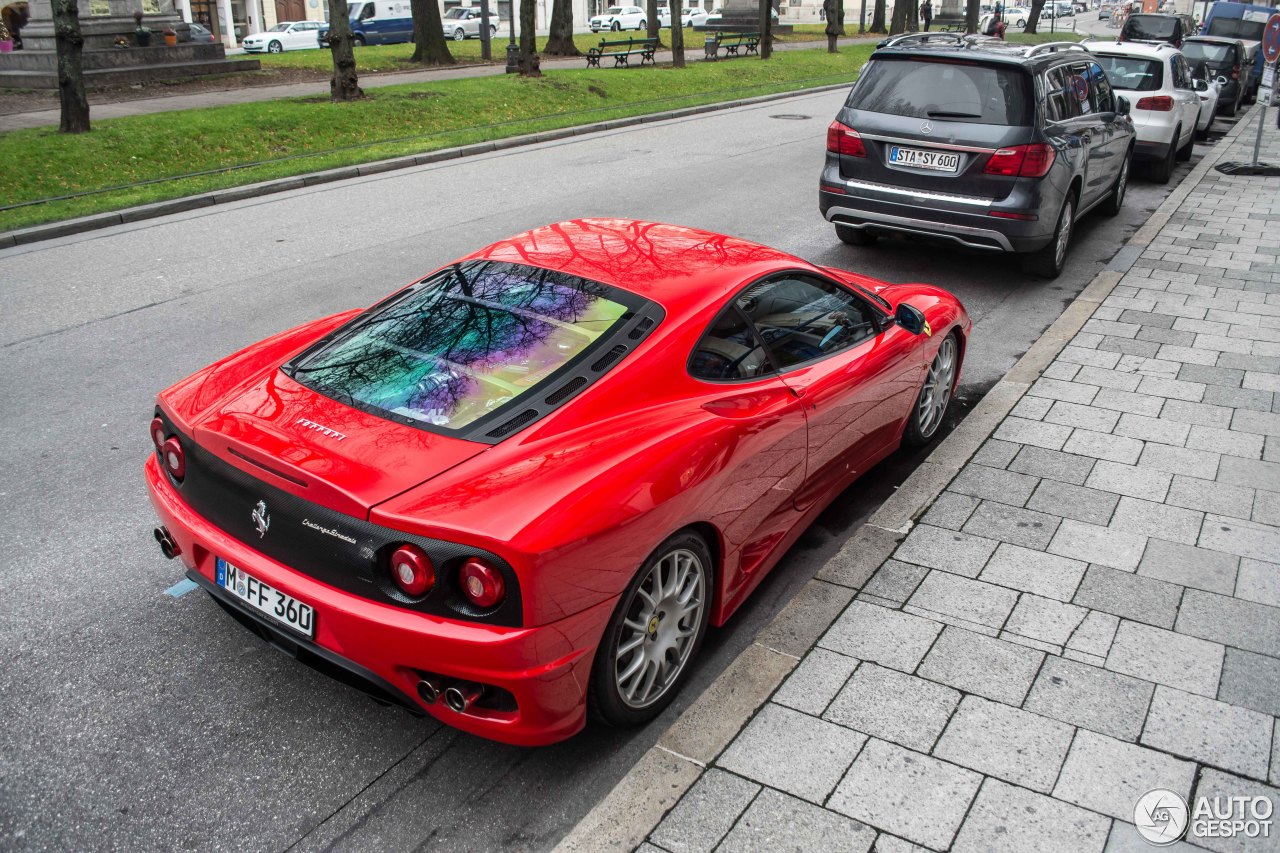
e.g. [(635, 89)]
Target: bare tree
[(344, 85), (429, 45), (677, 38), (70, 42), (905, 15), (530, 65), (831, 10), (651, 19), (560, 42), (1033, 17), (971, 13), (766, 29), (877, 18)]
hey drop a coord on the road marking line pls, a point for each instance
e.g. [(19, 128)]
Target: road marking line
[(180, 588)]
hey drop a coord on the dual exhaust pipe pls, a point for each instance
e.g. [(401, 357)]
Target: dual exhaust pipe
[(168, 546), (459, 696)]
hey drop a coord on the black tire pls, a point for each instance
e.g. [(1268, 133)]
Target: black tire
[(616, 27), (359, 39), (855, 236), (493, 32), (643, 25), (459, 34), (1229, 110), (605, 701), (1049, 261), (275, 47), (922, 428), (1162, 170), (1184, 153), (1115, 201), (1203, 134)]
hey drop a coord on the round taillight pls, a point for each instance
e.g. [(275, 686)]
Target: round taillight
[(157, 432), (412, 571), (175, 461), (482, 584)]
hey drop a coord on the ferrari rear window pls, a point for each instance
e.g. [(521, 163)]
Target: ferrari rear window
[(465, 343)]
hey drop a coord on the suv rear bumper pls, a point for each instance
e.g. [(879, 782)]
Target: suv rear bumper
[(1150, 150)]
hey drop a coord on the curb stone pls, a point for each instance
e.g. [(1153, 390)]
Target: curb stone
[(69, 227), (630, 812)]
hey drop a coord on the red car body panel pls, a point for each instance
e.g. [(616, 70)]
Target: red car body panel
[(577, 500)]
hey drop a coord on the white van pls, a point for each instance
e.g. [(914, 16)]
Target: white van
[(381, 21)]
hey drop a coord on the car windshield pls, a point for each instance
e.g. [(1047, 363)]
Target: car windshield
[(465, 342), (1133, 72), (1152, 27), (455, 14), (1203, 51), (945, 89), (1237, 28), (279, 28)]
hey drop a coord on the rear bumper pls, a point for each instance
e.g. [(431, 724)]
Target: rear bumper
[(1150, 150), (385, 650)]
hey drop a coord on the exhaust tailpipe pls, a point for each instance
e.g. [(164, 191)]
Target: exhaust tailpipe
[(168, 547), (462, 696), (429, 690)]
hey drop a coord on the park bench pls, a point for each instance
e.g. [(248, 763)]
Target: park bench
[(748, 43), (948, 24), (622, 50)]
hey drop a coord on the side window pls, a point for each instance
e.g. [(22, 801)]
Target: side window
[(803, 318), (1181, 76), (1062, 102), (729, 350), (1104, 100), (1082, 89)]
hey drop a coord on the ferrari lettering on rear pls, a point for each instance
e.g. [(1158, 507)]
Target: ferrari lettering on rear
[(324, 430)]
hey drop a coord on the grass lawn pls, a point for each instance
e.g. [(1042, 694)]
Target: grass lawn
[(192, 151)]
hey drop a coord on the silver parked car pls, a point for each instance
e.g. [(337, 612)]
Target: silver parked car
[(464, 23)]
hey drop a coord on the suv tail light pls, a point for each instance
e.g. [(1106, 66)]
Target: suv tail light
[(1021, 161), (844, 140), (1235, 72), (1159, 103)]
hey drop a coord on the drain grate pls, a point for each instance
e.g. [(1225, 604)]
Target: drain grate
[(1266, 170)]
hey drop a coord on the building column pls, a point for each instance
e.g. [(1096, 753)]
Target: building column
[(227, 23), (253, 11)]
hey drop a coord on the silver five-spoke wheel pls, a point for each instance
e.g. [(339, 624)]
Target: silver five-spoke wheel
[(659, 628), (936, 394)]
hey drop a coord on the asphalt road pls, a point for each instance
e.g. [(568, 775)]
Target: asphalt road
[(137, 720)]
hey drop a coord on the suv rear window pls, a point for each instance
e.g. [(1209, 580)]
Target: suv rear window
[(947, 90), (1133, 72), (1150, 27), (465, 343), (1204, 51)]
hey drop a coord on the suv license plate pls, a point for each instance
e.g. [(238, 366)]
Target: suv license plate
[(938, 161), (265, 598)]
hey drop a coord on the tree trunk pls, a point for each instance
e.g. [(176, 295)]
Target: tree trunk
[(831, 11), (70, 42), (1033, 17), (429, 45), (530, 64), (972, 12), (677, 39), (344, 85), (652, 30), (766, 29), (862, 21), (877, 18), (840, 17), (898, 23), (560, 42)]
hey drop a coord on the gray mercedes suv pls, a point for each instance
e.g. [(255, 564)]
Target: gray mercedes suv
[(979, 144)]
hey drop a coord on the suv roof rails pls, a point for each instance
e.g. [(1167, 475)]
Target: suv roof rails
[(961, 39), (1054, 47)]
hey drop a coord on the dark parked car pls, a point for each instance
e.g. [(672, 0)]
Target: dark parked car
[(1222, 57), (947, 138), (1175, 29), (200, 34)]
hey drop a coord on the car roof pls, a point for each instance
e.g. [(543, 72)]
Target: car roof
[(1136, 48), (984, 48), (1215, 39)]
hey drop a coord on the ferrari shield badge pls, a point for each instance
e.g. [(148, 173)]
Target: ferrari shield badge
[(928, 330)]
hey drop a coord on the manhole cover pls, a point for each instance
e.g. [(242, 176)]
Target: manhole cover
[(791, 117)]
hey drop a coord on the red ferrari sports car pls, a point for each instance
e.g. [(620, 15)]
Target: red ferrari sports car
[(522, 487)]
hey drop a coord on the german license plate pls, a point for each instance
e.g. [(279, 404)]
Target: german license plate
[(938, 161), (266, 599)]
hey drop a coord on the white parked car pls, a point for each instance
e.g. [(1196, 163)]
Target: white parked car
[(700, 16), (1210, 92), (464, 23), (620, 18), (1156, 80), (1016, 17), (289, 35), (717, 14), (686, 16)]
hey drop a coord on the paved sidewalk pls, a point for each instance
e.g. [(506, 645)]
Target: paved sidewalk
[(1090, 610), (253, 94)]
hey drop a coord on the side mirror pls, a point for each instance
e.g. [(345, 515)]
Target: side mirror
[(1122, 105), (910, 318), (1200, 85), (1221, 81)]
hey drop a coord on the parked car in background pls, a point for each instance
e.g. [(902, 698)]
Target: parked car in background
[(381, 21), (1173, 29), (288, 35), (619, 18), (465, 22), (1208, 91), (200, 34), (1156, 80), (950, 142), (686, 16), (1244, 21), (1104, 11), (1222, 57), (1016, 17), (699, 17), (1060, 9)]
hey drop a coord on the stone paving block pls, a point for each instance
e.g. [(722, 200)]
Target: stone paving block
[(1129, 596), (884, 636), (993, 484), (1147, 518), (951, 510), (1078, 502), (705, 814), (1231, 621), (1211, 374), (1225, 441), (886, 843), (1128, 480), (1101, 445), (1162, 430), (1200, 414), (1218, 786), (1128, 346), (1271, 449), (1189, 566), (1176, 660), (1090, 697), (1128, 401), (1008, 819), (1037, 433), (986, 666), (1250, 473), (895, 581), (1261, 422), (1124, 838), (895, 707), (1259, 581), (1209, 731), (1106, 546), (1052, 464), (1180, 460), (1172, 389), (997, 740), (949, 550), (1078, 391), (1045, 620), (1094, 636), (1033, 408), (1240, 537), (1084, 356), (1145, 318), (777, 822), (1210, 496), (1058, 370), (816, 681), (793, 752), (1034, 571), (1003, 523), (1251, 681), (1266, 508), (971, 600), (1086, 417), (1109, 775), (1261, 381), (1242, 399), (995, 453), (908, 794), (1115, 380)]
